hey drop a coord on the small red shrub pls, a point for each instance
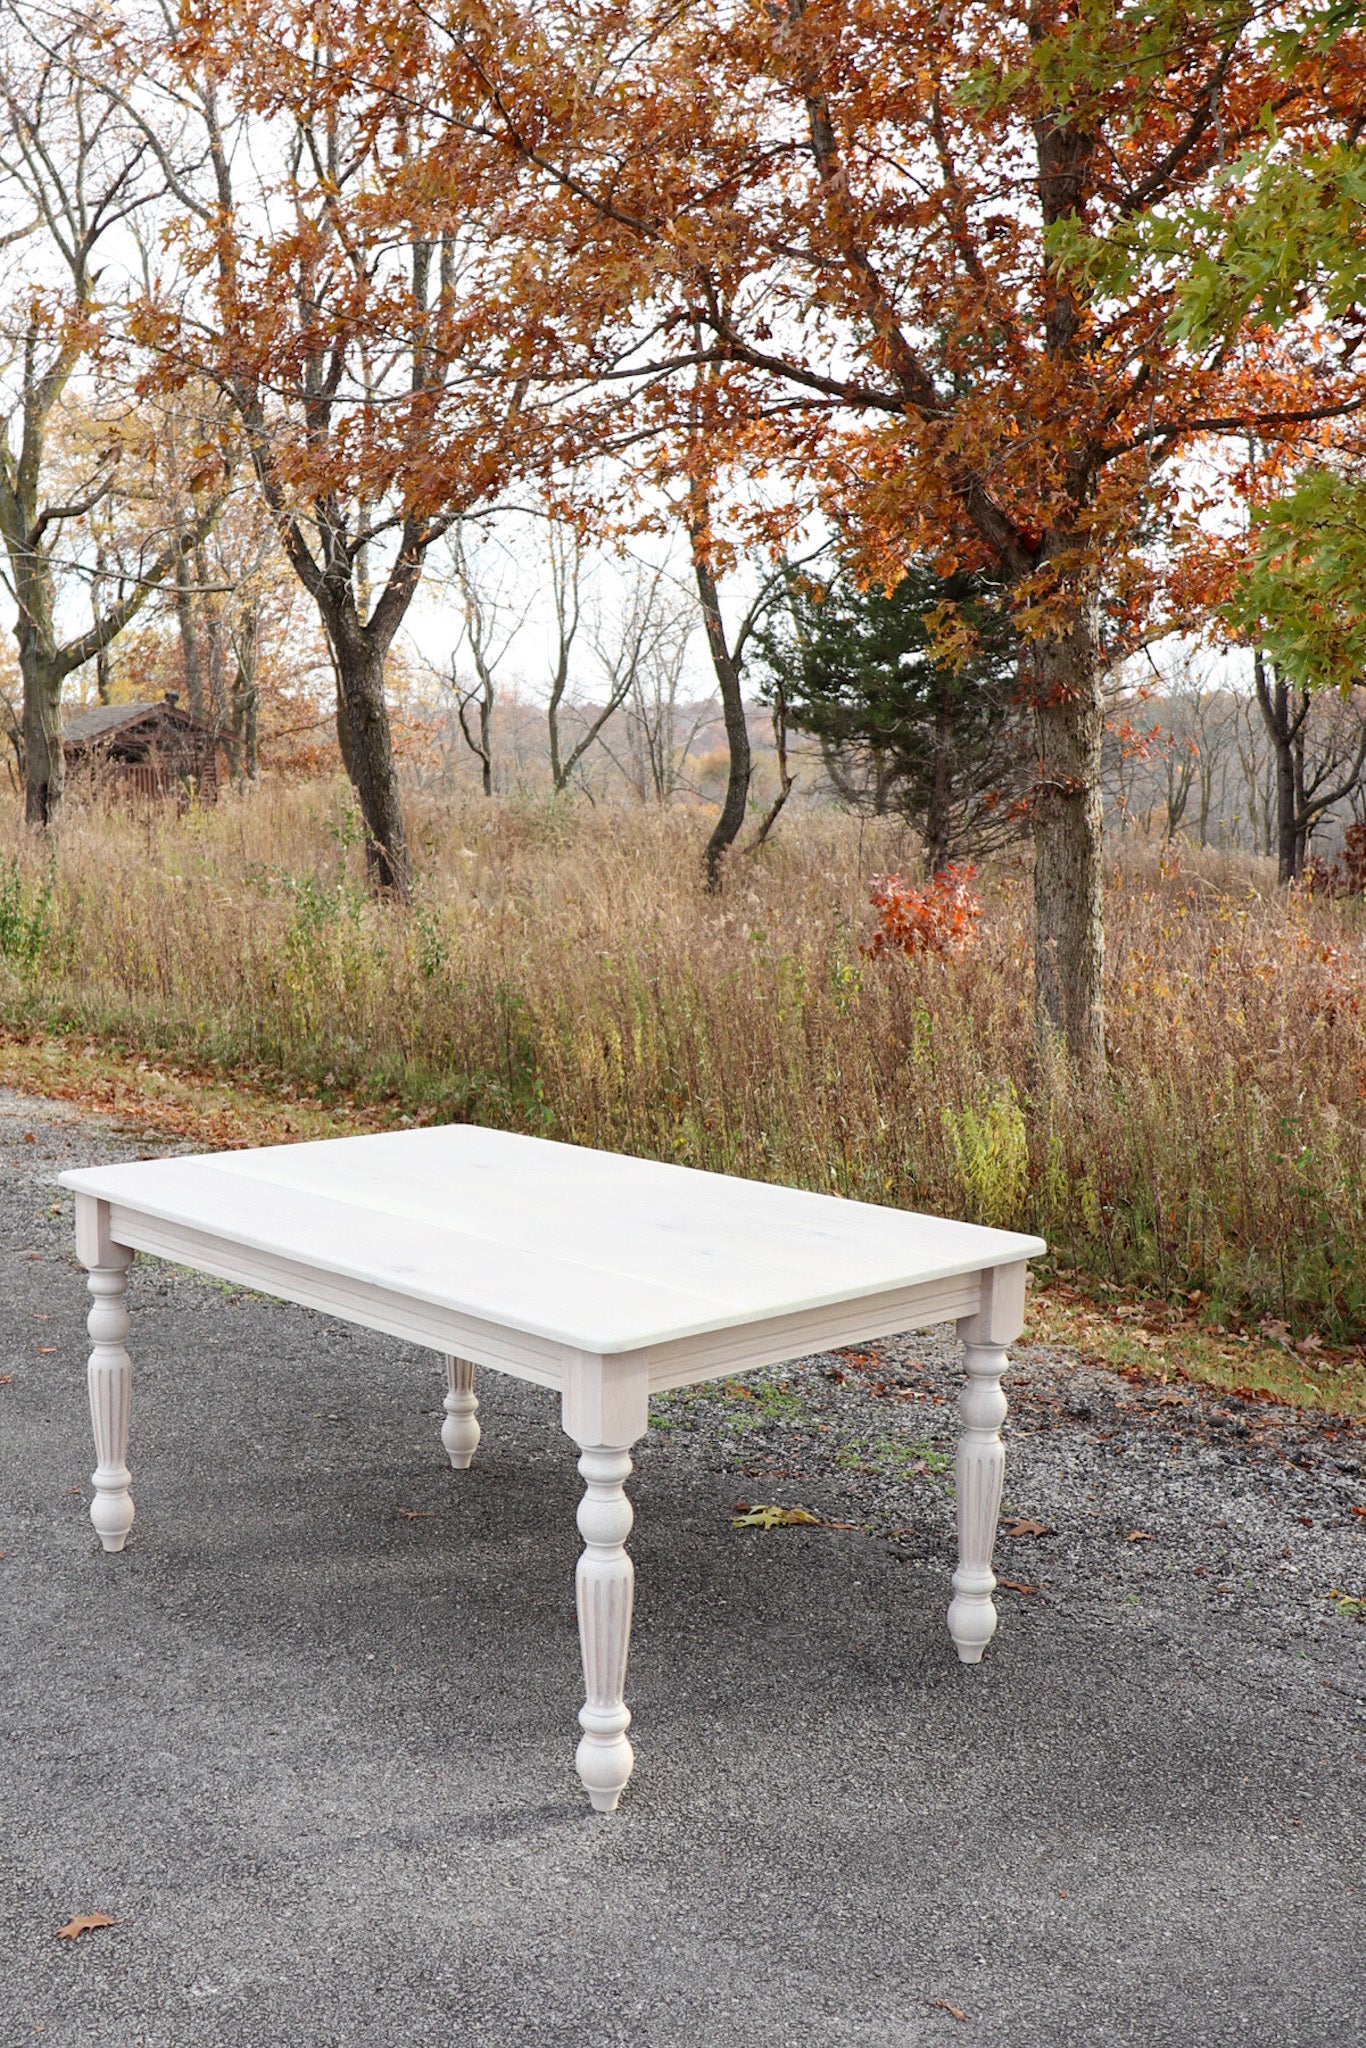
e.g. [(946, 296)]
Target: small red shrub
[(941, 917), (1346, 876)]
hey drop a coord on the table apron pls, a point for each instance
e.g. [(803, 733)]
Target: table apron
[(779, 1338), (682, 1362), (521, 1353)]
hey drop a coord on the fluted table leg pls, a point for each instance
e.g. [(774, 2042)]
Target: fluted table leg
[(605, 1588), (110, 1377), (980, 1469), (460, 1432), (606, 1407), (981, 1457)]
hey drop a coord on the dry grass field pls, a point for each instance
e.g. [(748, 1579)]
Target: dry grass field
[(563, 972)]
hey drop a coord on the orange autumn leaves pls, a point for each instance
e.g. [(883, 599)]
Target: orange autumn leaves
[(941, 917)]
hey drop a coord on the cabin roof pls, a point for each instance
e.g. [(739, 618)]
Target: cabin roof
[(106, 719)]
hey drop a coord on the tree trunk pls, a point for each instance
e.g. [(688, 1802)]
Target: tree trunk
[(103, 662), (1069, 944), (786, 779), (43, 673), (1299, 851), (1283, 726), (251, 750), (44, 763), (481, 746), (1285, 795), (558, 774), (727, 828), (211, 613), (191, 665), (486, 743), (367, 750), (244, 695)]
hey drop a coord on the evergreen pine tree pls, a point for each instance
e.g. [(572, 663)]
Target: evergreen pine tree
[(947, 745)]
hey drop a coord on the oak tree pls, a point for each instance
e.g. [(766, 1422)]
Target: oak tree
[(922, 247), (321, 291)]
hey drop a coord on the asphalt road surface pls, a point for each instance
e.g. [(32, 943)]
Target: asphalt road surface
[(309, 1741)]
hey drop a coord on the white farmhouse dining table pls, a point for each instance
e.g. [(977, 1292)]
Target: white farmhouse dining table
[(603, 1277)]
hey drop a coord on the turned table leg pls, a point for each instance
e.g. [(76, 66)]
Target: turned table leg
[(110, 1378), (460, 1432), (605, 1410), (981, 1457), (604, 1586), (110, 1374)]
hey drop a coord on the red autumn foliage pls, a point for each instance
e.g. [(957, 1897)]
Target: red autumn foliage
[(1346, 876), (942, 917)]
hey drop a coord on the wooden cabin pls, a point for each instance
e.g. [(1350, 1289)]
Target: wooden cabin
[(144, 753)]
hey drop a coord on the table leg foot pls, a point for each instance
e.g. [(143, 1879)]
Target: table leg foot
[(605, 1585), (111, 1387), (460, 1432), (980, 1469)]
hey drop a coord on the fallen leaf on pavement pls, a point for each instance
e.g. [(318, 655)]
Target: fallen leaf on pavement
[(6, 1379), (1014, 1586), (82, 1924), (415, 1514), (775, 1518), (1139, 1536), (1022, 1526), (943, 2004), (763, 1516), (46, 1350), (1355, 1511)]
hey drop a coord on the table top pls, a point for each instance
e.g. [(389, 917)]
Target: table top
[(590, 1249)]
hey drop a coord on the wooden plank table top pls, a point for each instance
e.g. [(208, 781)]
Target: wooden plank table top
[(601, 1276)]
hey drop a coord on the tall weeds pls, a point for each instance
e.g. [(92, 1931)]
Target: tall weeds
[(562, 971)]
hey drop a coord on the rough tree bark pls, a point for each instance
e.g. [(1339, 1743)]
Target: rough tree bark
[(364, 736), (44, 766), (1069, 946)]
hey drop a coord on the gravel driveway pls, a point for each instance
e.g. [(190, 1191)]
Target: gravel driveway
[(310, 1741)]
